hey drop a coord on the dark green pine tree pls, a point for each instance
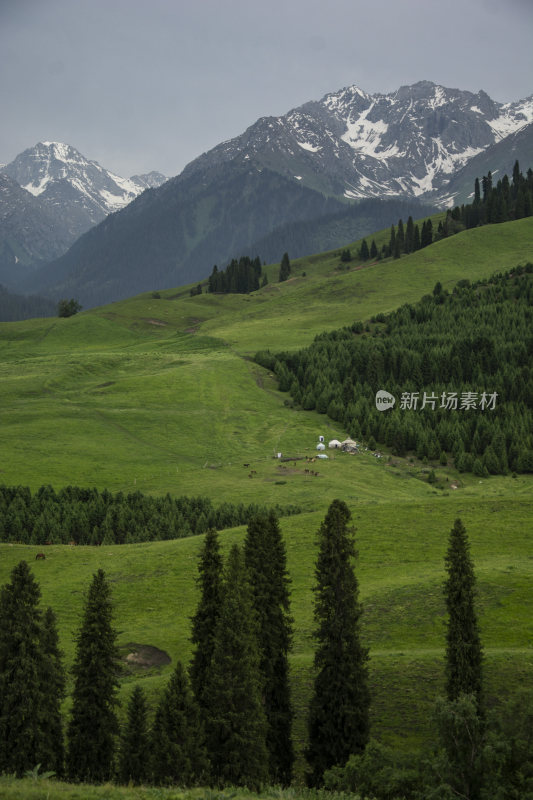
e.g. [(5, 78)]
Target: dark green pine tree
[(397, 248), (236, 723), (266, 560), (339, 711), (400, 236), (416, 239), (409, 235), (364, 253), (464, 653), (93, 724), (205, 620), (477, 193), (178, 739), (134, 746), (373, 249), (53, 680), (517, 175), (284, 267), (22, 702), (392, 240)]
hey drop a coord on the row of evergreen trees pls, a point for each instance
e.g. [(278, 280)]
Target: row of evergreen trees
[(228, 720), (88, 516), (243, 276), (403, 240), (240, 277), (506, 201), (476, 339)]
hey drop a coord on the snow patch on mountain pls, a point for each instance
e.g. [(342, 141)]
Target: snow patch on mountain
[(308, 146), (366, 137)]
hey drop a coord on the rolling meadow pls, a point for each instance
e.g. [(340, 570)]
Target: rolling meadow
[(161, 395)]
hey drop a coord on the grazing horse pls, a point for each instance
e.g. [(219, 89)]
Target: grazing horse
[(40, 557)]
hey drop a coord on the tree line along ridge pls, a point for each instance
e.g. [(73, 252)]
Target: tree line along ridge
[(76, 515)]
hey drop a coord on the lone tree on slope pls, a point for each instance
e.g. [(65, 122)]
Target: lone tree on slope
[(464, 653)]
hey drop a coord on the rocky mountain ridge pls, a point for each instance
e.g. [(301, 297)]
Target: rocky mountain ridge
[(353, 144)]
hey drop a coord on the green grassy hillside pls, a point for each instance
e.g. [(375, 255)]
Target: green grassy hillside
[(158, 394), (161, 395)]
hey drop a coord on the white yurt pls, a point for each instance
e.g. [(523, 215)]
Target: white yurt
[(334, 444), (350, 446), (321, 446)]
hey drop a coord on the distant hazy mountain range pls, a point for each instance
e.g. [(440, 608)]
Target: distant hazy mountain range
[(325, 173), (49, 195)]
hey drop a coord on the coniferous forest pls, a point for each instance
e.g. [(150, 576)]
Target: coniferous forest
[(86, 516), (240, 277), (458, 364)]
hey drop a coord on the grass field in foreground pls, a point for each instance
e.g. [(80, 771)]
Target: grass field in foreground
[(400, 570)]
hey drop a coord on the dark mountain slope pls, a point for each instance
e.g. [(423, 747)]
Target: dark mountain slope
[(355, 222), (31, 232), (174, 235)]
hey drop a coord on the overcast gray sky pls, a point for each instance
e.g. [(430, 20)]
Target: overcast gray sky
[(150, 84)]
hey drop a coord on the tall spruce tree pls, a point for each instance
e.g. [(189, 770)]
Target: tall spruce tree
[(134, 746), (53, 681), (266, 560), (93, 724), (235, 722), (205, 620), (22, 663), (284, 267), (339, 711), (392, 240), (409, 235), (464, 653), (178, 738)]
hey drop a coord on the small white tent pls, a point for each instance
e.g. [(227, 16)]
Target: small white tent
[(334, 444), (320, 446)]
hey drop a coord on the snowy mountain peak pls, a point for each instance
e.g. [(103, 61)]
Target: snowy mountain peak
[(409, 142), (58, 172)]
